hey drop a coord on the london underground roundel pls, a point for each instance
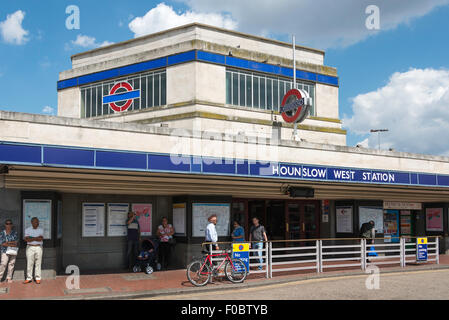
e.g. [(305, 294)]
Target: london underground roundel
[(295, 106), (121, 96)]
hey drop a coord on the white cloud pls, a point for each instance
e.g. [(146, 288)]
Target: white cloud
[(11, 29), (87, 42), (320, 24), (163, 17), (48, 110), (414, 106)]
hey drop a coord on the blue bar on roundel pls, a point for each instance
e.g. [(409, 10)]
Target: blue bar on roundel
[(121, 96)]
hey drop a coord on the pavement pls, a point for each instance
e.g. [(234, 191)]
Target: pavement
[(172, 283)]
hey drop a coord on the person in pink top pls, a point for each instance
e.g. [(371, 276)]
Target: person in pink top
[(165, 233)]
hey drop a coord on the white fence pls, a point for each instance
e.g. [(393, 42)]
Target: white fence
[(321, 255)]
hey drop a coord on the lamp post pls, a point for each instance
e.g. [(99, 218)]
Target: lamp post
[(378, 134)]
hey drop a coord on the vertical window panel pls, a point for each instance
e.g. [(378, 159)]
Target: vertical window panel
[(249, 93), (256, 92), (228, 87), (269, 94), (157, 81), (275, 95), (263, 97), (163, 89), (242, 90), (235, 89)]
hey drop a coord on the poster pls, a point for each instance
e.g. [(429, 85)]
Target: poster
[(179, 218), (144, 217), (344, 219), (434, 219), (325, 211), (376, 214), (93, 220), (117, 216), (40, 209), (406, 223), (391, 226), (202, 211), (59, 220)]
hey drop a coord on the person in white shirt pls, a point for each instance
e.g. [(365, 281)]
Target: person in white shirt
[(34, 237), (211, 232)]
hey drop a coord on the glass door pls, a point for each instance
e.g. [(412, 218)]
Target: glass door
[(302, 220)]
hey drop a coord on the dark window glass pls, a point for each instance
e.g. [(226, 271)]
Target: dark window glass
[(228, 87), (256, 92), (262, 93), (269, 94), (235, 89), (88, 103), (157, 81), (163, 89), (143, 93), (249, 93), (275, 95), (99, 101), (242, 90), (150, 91), (94, 99)]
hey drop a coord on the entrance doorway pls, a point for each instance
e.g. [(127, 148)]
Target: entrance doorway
[(283, 219)]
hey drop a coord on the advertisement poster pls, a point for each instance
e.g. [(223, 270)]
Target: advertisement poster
[(325, 211), (144, 217), (391, 225), (93, 219), (376, 214), (179, 218), (344, 219), (117, 214), (40, 209), (202, 211), (406, 223), (434, 219)]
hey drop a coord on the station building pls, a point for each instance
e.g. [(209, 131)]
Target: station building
[(186, 122)]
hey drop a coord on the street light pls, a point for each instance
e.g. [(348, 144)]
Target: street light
[(378, 134)]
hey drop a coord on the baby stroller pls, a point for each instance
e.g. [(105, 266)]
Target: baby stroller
[(147, 260)]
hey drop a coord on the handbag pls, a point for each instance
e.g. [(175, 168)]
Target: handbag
[(12, 251)]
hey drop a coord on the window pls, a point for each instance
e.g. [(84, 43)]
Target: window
[(153, 92), (261, 92)]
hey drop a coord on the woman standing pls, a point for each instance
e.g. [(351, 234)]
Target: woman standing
[(9, 248), (165, 233), (238, 234)]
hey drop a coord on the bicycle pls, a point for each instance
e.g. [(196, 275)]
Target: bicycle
[(200, 271)]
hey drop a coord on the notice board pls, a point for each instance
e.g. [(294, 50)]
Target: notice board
[(93, 219), (40, 209), (202, 211), (376, 214)]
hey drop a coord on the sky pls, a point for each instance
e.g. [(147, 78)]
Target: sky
[(392, 60)]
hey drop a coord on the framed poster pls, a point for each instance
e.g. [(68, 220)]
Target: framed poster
[(117, 214), (434, 219), (93, 219), (344, 219), (40, 209), (376, 214), (202, 211), (59, 219), (144, 217), (391, 226), (179, 218)]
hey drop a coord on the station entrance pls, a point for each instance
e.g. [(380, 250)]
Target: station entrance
[(283, 219)]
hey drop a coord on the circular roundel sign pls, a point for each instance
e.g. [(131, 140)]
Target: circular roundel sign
[(240, 247), (294, 106), (121, 96)]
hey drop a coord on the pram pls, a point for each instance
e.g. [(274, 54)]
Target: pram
[(147, 260)]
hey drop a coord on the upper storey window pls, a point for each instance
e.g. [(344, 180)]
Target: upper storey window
[(259, 91), (137, 92)]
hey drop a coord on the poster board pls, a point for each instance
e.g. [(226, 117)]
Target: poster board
[(344, 219), (434, 219), (93, 219), (40, 209), (117, 216), (391, 226), (200, 213), (406, 223), (179, 218), (372, 213), (144, 212), (59, 220)]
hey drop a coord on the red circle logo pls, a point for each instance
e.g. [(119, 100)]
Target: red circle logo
[(117, 89), (292, 105)]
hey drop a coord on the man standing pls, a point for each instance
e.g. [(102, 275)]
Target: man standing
[(258, 235), (211, 232), (132, 247), (34, 237)]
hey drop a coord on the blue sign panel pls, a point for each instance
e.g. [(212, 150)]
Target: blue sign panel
[(421, 249)]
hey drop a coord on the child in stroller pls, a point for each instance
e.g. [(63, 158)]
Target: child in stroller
[(147, 258)]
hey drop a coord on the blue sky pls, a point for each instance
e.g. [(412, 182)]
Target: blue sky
[(411, 47)]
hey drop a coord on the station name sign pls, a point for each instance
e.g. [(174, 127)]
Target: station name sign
[(339, 174)]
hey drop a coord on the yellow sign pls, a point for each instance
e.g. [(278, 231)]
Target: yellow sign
[(239, 247), (422, 240)]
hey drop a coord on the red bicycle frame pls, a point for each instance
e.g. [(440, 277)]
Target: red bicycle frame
[(209, 259)]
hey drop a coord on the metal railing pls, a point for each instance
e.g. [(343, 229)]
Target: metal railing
[(320, 255)]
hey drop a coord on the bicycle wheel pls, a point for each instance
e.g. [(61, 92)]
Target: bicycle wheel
[(235, 272), (198, 273)]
